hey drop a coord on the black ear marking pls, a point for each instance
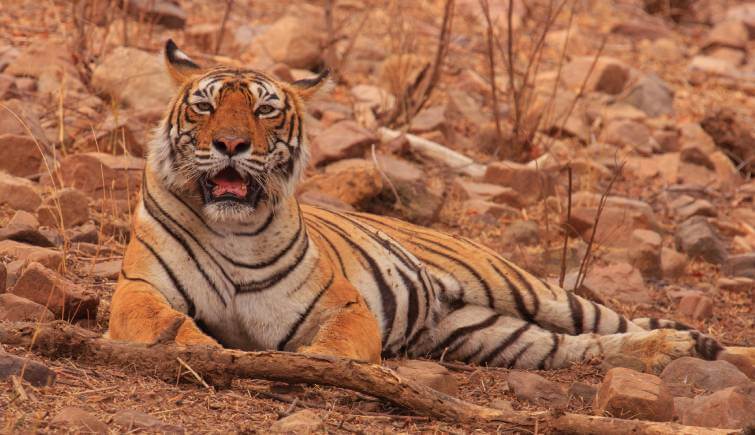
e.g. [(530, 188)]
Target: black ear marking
[(314, 81), (177, 57)]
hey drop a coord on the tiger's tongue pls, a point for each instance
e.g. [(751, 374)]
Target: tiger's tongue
[(223, 185)]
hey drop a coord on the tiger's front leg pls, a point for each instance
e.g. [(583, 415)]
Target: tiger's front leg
[(349, 329)]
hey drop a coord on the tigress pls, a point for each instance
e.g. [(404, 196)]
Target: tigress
[(221, 247)]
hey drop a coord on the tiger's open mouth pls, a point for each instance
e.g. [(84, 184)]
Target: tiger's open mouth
[(229, 185)]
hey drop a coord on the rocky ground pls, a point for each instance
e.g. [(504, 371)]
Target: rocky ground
[(645, 108)]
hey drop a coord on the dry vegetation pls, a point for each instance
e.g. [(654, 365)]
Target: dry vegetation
[(555, 89)]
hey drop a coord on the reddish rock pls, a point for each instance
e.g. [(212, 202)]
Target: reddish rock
[(729, 34), (133, 420), (625, 393), (29, 253), (696, 238), (3, 277), (295, 40), (106, 269), (479, 207), (686, 206), (342, 140), (31, 371), (673, 263), (620, 281), (164, 12), (583, 392), (64, 298), (742, 265), (430, 119), (536, 389), (463, 190), (113, 138), (706, 375), (20, 155), (100, 175), (18, 193), (17, 309), (652, 95), (531, 184), (733, 131), (29, 121), (737, 284), (645, 253), (23, 227), (608, 75), (76, 420), (429, 373), (71, 205), (351, 181), (304, 421), (626, 133), (730, 408), (420, 194), (696, 306)]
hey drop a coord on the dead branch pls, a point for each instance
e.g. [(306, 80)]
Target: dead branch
[(562, 275), (437, 152), (491, 69), (220, 366), (221, 31)]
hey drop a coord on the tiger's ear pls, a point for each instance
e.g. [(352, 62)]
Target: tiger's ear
[(179, 64), (318, 85)]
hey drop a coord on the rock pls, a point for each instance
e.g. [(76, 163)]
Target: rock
[(64, 298), (738, 284), (645, 253), (620, 217), (566, 119), (342, 140), (17, 309), (25, 234), (322, 200), (744, 13), (623, 361), (376, 99), (29, 253), (522, 233), (430, 119), (17, 118), (135, 78), (72, 419), (730, 408), (652, 95), (33, 372), (463, 190), (88, 233), (536, 389), (742, 265), (100, 175), (732, 130), (696, 306), (711, 65), (489, 211), (24, 218), (620, 281), (609, 75), (20, 155), (706, 375), (18, 193), (3, 277), (728, 34), (641, 29), (430, 374), (583, 392), (113, 136), (686, 206), (294, 40), (164, 12), (47, 61), (304, 421), (697, 238), (351, 181), (70, 204), (132, 420), (421, 195), (107, 269), (533, 185), (625, 393), (673, 263), (626, 133)]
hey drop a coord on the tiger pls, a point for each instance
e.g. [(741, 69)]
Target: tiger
[(222, 252)]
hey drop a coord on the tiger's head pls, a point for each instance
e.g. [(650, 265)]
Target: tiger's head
[(233, 138)]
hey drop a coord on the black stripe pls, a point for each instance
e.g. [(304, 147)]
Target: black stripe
[(259, 230), (513, 361), (295, 328), (596, 319), (150, 205), (527, 286), (131, 278), (521, 306), (260, 285), (554, 347), (300, 232), (464, 331), (190, 309), (412, 311), (576, 312), (387, 298), (472, 355), (511, 339), (315, 227), (654, 324), (622, 325)]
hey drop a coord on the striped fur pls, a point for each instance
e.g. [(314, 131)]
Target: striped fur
[(278, 275)]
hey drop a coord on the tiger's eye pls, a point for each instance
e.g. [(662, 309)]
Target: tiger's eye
[(203, 107), (265, 109)]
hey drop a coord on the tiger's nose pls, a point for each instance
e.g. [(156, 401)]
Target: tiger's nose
[(231, 145)]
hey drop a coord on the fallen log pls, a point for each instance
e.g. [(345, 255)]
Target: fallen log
[(437, 152), (220, 366)]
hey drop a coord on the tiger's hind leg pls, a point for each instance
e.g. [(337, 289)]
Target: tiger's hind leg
[(476, 334)]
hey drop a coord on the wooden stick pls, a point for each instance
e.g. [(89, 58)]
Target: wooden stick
[(437, 152)]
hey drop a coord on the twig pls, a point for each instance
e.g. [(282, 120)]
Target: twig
[(491, 69), (398, 202), (195, 374), (221, 31), (566, 231), (19, 388), (582, 274)]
